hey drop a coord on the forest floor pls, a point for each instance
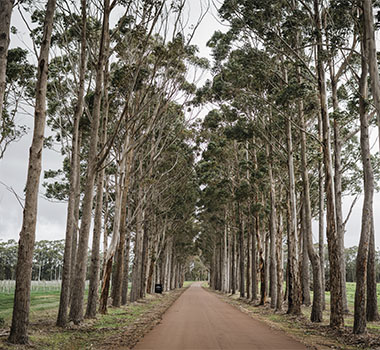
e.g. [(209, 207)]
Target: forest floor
[(317, 336), (120, 329)]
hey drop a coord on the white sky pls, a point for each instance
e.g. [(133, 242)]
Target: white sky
[(52, 216)]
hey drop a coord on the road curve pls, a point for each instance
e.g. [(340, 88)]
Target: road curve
[(198, 320)]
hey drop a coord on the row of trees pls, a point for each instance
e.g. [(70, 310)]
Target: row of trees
[(47, 260), (116, 90), (280, 148)]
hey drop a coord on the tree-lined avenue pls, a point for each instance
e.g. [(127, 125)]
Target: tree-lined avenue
[(199, 320)]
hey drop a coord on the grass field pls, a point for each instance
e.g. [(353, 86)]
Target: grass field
[(119, 328), (45, 303), (41, 304)]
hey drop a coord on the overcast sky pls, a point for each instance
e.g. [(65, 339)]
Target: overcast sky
[(52, 216)]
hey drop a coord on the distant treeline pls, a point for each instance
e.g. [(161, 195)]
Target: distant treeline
[(47, 260)]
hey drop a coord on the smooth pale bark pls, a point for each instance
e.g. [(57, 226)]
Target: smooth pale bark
[(5, 23), (338, 181), (74, 244), (321, 216), (20, 317), (335, 256), (225, 282), (248, 270), (122, 186), (272, 231), (279, 261), (369, 30), (106, 218), (304, 260), (153, 258), (76, 309), (92, 299), (124, 287), (255, 224), (372, 309), (74, 182), (241, 251), (254, 263), (120, 263), (144, 260), (138, 251), (93, 289), (294, 287), (260, 248), (360, 321), (316, 312), (233, 275)]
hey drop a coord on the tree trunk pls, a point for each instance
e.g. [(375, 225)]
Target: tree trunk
[(137, 262), (225, 287), (254, 262), (76, 310), (294, 288), (119, 269), (360, 323), (305, 275), (106, 217), (267, 263), (372, 310), (321, 221), (263, 290), (273, 231), (248, 270), (279, 261), (5, 23), (316, 312), (241, 250), (74, 245), (338, 183), (74, 179), (95, 252), (372, 56), (20, 318), (144, 260), (121, 188), (125, 230), (233, 276), (335, 256), (255, 230), (93, 289), (369, 34), (105, 286)]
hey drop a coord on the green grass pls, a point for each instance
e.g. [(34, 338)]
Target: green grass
[(188, 283), (110, 327), (41, 303), (105, 326)]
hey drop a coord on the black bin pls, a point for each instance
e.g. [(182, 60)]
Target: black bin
[(158, 288)]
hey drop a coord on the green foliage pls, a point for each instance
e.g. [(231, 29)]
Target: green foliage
[(47, 260)]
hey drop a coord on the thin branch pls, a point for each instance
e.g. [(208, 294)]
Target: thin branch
[(10, 189), (350, 211)]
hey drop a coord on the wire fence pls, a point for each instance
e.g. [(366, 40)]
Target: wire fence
[(8, 286)]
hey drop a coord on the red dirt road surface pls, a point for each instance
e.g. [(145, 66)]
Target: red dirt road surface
[(198, 320)]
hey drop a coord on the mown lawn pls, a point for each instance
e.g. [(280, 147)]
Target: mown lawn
[(119, 328), (42, 304)]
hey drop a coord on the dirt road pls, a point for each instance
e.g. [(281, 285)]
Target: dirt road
[(198, 320)]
